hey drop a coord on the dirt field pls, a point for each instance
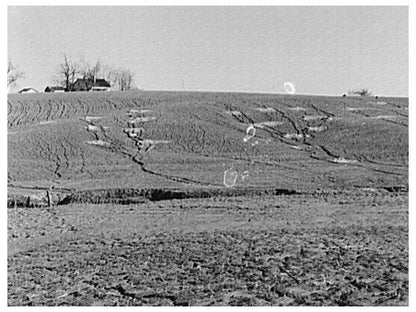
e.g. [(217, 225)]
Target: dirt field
[(48, 135), (318, 214)]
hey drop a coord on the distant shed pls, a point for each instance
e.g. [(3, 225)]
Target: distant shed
[(54, 89), (86, 84)]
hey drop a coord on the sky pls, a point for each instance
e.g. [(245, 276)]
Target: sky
[(321, 50)]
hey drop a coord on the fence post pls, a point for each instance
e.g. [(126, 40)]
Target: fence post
[(48, 196)]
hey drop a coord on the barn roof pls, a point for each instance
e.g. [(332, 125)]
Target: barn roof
[(99, 82), (53, 88), (27, 89)]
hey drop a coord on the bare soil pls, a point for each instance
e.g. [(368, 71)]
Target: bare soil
[(205, 139), (339, 249), (320, 219)]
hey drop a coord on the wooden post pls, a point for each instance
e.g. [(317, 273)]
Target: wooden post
[(48, 197)]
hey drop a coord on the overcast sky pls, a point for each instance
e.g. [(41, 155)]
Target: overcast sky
[(321, 50)]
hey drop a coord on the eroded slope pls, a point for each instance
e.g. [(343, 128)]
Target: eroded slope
[(168, 140)]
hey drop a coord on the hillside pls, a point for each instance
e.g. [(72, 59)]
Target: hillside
[(195, 199), (78, 141)]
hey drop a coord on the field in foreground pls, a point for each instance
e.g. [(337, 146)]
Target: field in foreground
[(318, 214), (341, 249)]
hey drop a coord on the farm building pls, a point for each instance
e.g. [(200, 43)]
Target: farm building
[(87, 84), (54, 89), (100, 89), (28, 90)]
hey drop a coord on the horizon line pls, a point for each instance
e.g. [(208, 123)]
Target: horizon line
[(233, 91)]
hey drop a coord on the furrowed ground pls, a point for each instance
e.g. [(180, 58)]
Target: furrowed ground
[(321, 218)]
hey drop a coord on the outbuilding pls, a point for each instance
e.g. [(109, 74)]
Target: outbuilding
[(28, 90), (90, 84), (54, 89)]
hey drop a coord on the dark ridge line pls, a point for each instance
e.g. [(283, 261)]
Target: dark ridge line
[(231, 108), (326, 151), (40, 188), (248, 118), (358, 156), (290, 120), (400, 114), (137, 196), (394, 105), (168, 177), (394, 189), (130, 196), (395, 122), (385, 171), (359, 165), (323, 149), (65, 152), (328, 114), (390, 189), (58, 165)]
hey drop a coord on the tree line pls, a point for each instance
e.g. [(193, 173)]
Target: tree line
[(120, 78), (68, 71)]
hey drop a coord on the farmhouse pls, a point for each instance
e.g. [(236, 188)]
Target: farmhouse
[(90, 84), (28, 90), (54, 89)]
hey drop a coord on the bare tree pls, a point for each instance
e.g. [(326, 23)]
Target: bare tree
[(106, 72), (362, 92), (119, 78), (89, 71), (95, 69), (13, 74), (67, 72), (123, 79)]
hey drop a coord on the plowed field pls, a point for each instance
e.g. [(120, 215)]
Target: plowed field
[(140, 214)]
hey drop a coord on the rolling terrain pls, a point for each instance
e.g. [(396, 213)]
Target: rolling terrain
[(304, 143), (316, 212)]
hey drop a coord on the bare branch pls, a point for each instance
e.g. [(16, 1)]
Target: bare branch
[(67, 72), (362, 92), (13, 74), (123, 79)]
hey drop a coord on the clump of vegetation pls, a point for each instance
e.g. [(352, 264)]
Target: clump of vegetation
[(13, 74), (362, 92), (120, 78)]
